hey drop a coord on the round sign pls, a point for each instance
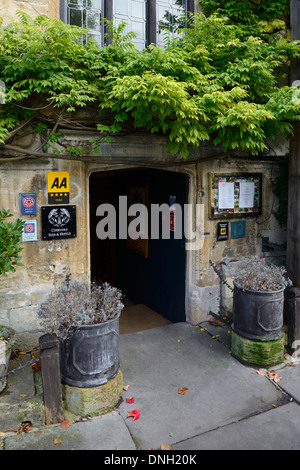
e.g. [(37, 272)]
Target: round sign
[(29, 228), (28, 201)]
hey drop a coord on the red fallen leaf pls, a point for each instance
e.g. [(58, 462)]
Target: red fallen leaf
[(135, 414), (129, 400), (273, 375)]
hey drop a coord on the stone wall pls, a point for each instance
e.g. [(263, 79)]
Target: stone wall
[(46, 263), (9, 8)]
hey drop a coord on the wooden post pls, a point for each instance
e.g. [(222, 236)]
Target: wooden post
[(51, 378), (293, 313)]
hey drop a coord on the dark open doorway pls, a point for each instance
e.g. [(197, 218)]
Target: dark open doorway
[(155, 276)]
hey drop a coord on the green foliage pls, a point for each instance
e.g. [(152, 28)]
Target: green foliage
[(10, 237), (249, 12), (218, 81)]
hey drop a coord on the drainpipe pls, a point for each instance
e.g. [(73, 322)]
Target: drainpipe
[(293, 227)]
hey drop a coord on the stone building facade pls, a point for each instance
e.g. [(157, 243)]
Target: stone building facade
[(181, 277)]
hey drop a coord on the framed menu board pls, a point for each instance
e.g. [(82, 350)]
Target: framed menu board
[(234, 194)]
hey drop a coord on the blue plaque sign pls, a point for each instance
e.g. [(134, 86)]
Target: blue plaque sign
[(28, 203), (238, 229)]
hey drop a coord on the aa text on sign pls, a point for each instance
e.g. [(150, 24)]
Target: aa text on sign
[(58, 187)]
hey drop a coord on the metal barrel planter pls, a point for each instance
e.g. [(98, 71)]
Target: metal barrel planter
[(258, 315), (90, 357), (6, 345)]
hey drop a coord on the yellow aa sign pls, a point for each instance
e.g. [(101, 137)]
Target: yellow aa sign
[(58, 187)]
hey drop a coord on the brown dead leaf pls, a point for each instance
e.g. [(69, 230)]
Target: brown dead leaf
[(26, 426), (126, 387), (57, 441), (165, 447), (65, 424), (183, 390)]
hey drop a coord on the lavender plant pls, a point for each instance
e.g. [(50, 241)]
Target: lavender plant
[(256, 275), (76, 304)]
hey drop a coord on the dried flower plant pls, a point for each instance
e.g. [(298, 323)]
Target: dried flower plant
[(256, 275), (76, 304)]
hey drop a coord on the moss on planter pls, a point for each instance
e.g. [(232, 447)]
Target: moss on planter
[(257, 353), (93, 401)]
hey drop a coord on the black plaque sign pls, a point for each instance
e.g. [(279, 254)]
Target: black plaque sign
[(58, 222), (222, 231)]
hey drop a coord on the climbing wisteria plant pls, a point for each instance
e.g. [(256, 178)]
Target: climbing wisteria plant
[(219, 81)]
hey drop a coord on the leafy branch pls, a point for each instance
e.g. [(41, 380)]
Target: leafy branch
[(220, 81)]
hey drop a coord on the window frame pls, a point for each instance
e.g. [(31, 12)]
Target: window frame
[(151, 32)]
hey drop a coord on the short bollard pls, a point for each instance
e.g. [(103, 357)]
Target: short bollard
[(49, 356)]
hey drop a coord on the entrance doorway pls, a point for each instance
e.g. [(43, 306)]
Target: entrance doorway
[(150, 274)]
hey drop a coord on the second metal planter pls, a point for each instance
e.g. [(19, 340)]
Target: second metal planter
[(258, 315)]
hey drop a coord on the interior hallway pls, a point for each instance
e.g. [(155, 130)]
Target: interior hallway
[(139, 317)]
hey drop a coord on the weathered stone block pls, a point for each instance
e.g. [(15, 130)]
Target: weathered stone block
[(257, 353), (93, 401)]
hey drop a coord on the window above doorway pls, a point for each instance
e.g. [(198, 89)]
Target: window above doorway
[(149, 19)]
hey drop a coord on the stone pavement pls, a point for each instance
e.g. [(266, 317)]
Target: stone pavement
[(226, 405)]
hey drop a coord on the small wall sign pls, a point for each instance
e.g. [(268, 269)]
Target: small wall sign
[(58, 187), (238, 229), (58, 222), (29, 231), (222, 231), (172, 202), (28, 203)]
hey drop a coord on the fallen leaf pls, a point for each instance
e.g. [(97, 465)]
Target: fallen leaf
[(183, 390), (135, 414), (274, 376), (57, 441), (65, 424), (126, 387), (23, 395), (26, 426), (165, 447), (261, 372), (129, 400)]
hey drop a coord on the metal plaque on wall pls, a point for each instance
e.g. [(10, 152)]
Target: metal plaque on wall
[(58, 222)]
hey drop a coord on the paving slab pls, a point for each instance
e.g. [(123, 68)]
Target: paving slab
[(107, 432), (226, 405), (290, 381), (277, 429), (158, 362)]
